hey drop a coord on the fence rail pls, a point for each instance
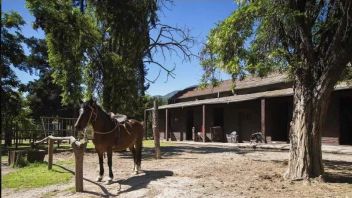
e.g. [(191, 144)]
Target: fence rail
[(28, 131)]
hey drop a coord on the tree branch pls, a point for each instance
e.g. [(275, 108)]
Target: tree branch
[(169, 39)]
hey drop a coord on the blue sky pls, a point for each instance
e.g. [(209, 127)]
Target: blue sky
[(197, 15)]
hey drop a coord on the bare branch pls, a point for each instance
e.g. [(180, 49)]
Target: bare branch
[(171, 40), (169, 72), (156, 78)]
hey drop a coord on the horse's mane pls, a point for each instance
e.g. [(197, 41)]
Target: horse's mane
[(106, 114)]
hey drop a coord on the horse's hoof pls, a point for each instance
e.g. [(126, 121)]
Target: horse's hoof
[(99, 178), (108, 182)]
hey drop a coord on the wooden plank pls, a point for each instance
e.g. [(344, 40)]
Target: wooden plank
[(263, 118), (203, 123), (167, 124)]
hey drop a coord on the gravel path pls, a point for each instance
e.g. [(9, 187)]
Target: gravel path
[(202, 171)]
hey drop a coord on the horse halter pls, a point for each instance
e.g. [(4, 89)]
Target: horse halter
[(91, 113), (95, 118)]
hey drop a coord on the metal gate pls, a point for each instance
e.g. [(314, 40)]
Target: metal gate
[(58, 126)]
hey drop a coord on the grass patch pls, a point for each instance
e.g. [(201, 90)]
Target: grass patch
[(90, 145), (35, 175), (146, 144), (4, 158), (66, 163), (50, 194), (150, 143), (71, 189)]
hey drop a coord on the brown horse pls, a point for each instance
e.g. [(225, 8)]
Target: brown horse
[(111, 135)]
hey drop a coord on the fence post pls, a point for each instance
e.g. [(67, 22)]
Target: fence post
[(79, 151), (16, 138), (156, 131), (50, 152)]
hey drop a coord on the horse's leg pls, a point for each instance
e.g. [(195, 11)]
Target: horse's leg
[(111, 175), (133, 151), (139, 146), (101, 166)]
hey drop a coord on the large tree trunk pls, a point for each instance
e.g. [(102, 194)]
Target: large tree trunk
[(310, 108)]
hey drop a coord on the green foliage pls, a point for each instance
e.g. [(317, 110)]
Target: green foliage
[(209, 67), (34, 176), (13, 106), (265, 36), (150, 144), (148, 101), (44, 98), (105, 41), (69, 35), (98, 48), (126, 25), (12, 54)]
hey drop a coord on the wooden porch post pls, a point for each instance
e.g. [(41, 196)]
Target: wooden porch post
[(167, 124), (203, 123), (145, 124), (156, 130), (263, 118)]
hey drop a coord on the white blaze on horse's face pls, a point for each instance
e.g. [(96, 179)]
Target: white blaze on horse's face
[(77, 124)]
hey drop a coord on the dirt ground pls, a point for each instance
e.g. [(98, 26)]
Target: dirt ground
[(201, 171)]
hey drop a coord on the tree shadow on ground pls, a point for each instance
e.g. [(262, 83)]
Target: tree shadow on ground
[(136, 182), (338, 171), (173, 151), (141, 181), (335, 171)]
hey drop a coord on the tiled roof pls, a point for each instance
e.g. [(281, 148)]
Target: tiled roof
[(244, 97), (240, 84)]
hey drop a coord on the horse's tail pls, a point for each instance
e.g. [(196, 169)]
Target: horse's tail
[(139, 145)]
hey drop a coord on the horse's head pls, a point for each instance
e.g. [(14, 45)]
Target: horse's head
[(87, 112)]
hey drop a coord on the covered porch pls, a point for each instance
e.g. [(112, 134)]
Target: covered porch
[(267, 112)]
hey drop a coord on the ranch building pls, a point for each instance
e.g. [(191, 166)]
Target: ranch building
[(256, 105)]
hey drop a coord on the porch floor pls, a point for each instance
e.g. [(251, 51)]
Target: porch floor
[(337, 149)]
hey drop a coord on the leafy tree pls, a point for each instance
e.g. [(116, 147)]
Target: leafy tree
[(44, 99), (43, 95), (311, 40), (69, 35), (12, 55), (103, 47), (13, 105)]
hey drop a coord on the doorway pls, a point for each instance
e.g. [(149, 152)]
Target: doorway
[(345, 121), (190, 124), (279, 119), (218, 117)]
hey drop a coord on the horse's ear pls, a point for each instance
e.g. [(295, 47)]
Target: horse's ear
[(92, 101)]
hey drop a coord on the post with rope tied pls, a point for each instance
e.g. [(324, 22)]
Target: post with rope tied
[(78, 149), (156, 132)]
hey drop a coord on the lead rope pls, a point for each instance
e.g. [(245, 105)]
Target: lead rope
[(103, 133), (100, 132)]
